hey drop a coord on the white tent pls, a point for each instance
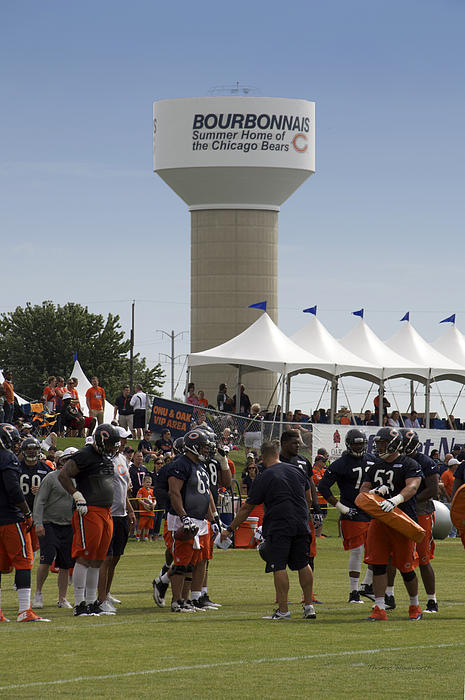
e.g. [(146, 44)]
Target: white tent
[(315, 338), (409, 343), (386, 363), (83, 385), (262, 345)]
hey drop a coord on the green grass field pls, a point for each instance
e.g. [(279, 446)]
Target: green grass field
[(147, 652)]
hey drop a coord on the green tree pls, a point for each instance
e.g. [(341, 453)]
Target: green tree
[(41, 340)]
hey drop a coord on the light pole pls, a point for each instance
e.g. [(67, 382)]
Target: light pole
[(172, 357)]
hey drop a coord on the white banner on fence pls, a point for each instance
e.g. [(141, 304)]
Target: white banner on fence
[(332, 437)]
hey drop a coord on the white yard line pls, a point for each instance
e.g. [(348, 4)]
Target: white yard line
[(224, 664)]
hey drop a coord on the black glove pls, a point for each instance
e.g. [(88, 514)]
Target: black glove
[(352, 514), (317, 520)]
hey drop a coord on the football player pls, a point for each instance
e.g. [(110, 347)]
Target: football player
[(187, 525), (219, 473), (396, 477), (348, 473), (92, 471), (15, 526), (33, 470), (427, 491)]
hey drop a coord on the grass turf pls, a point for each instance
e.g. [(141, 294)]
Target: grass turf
[(147, 652)]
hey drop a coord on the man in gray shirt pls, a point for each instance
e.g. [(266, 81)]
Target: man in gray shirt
[(52, 514)]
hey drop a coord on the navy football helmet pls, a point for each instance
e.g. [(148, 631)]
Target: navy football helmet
[(410, 441), (9, 437), (106, 440), (356, 442), (387, 442)]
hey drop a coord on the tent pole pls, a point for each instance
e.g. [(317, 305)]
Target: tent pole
[(412, 396), (284, 378), (366, 398), (348, 402), (288, 395), (381, 403), (397, 407), (427, 399), (321, 395), (452, 427), (238, 389), (456, 400), (333, 409)]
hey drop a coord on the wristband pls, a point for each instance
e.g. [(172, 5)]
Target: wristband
[(342, 508), (397, 499)]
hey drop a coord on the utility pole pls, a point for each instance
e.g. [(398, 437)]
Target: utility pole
[(172, 357), (131, 350)]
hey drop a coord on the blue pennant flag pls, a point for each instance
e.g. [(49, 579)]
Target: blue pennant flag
[(258, 305), (311, 310), (75, 357), (406, 317), (358, 313), (449, 319)]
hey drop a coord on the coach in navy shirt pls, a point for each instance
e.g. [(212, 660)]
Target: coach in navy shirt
[(285, 493)]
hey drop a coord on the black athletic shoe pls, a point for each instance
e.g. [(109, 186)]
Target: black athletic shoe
[(389, 602), (159, 592), (366, 589), (96, 608), (354, 597), (205, 599), (200, 604), (179, 606), (80, 610), (431, 607)]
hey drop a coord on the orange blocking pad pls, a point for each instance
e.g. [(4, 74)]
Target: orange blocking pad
[(457, 508)]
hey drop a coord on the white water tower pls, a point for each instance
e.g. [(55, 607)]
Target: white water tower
[(234, 161)]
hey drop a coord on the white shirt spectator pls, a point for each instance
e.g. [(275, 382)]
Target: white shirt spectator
[(139, 401)]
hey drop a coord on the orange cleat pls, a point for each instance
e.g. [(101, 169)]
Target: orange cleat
[(377, 614), (414, 613), (3, 618), (30, 616)]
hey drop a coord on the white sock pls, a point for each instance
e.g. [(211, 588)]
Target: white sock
[(91, 584), (380, 603), (79, 583), (204, 589), (24, 599), (431, 596), (165, 578), (368, 580), (353, 584), (413, 600), (389, 590), (195, 595)]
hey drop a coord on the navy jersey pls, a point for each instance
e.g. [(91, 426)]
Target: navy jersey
[(394, 475), (348, 472), (10, 489), (195, 491), (95, 477), (281, 488), (30, 477), (213, 469), (161, 486), (301, 463), (428, 467)]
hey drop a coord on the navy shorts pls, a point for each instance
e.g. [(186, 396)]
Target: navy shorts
[(56, 545), (286, 549), (120, 535)]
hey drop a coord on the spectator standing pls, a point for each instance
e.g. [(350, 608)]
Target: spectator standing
[(2, 403), (244, 402), (139, 404), (191, 397), (9, 404), (202, 400), (253, 428), (95, 399), (124, 409), (223, 401), (49, 396)]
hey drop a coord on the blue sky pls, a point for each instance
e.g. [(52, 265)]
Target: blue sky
[(379, 225)]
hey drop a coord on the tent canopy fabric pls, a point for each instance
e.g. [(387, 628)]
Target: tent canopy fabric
[(410, 344), (386, 363), (264, 346), (315, 338), (451, 344)]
